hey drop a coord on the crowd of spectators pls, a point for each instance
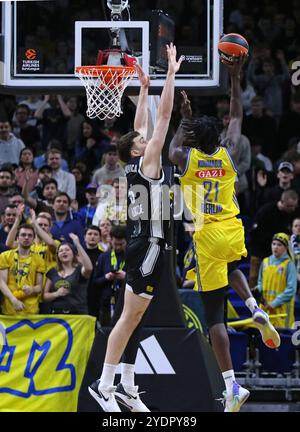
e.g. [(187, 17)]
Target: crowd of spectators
[(60, 174)]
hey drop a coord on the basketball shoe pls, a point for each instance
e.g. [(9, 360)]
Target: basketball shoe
[(130, 399), (236, 399), (269, 335), (104, 396)]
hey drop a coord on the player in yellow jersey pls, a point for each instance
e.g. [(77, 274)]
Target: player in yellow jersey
[(208, 184)]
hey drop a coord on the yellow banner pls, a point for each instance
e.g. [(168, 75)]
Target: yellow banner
[(43, 360)]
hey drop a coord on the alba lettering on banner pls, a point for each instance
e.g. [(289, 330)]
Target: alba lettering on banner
[(44, 356)]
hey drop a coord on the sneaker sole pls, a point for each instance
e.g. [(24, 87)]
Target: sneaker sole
[(125, 404), (242, 402), (237, 408), (122, 402), (98, 399), (270, 336)]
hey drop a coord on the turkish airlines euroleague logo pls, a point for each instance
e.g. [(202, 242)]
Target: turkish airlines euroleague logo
[(31, 54), (210, 173)]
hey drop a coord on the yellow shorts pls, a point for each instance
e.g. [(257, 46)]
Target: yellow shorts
[(216, 245)]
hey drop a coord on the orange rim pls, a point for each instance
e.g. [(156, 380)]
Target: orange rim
[(95, 70)]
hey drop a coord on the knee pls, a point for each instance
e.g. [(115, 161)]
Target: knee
[(132, 318)]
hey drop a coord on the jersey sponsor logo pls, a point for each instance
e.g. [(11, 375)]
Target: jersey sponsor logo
[(151, 359), (149, 289), (210, 163), (210, 173)]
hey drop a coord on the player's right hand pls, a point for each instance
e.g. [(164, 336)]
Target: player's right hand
[(173, 64)]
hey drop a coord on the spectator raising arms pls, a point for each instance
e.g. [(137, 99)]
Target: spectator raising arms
[(66, 286), (21, 275)]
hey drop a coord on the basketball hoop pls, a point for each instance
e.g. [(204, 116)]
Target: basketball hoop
[(104, 87)]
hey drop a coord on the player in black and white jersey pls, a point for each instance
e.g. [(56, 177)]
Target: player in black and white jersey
[(146, 235)]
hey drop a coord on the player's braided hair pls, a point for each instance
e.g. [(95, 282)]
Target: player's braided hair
[(202, 133)]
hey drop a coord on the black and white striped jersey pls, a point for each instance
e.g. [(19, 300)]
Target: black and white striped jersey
[(147, 199)]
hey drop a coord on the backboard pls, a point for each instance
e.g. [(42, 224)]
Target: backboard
[(42, 42)]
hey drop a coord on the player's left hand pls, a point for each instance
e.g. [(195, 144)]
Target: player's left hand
[(144, 78), (185, 108), (173, 64)]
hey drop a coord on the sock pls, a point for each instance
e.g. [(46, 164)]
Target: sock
[(229, 379), (127, 377), (108, 375), (251, 304)]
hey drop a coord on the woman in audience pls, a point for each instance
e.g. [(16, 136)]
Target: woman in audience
[(66, 286)]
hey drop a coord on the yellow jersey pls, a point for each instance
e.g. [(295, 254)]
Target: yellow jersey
[(274, 281), (208, 186), (46, 253), (21, 271)]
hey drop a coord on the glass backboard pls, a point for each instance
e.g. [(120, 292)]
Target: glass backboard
[(42, 42)]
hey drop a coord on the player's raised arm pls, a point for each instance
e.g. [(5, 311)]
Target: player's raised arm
[(178, 154), (236, 108), (141, 115), (151, 162)]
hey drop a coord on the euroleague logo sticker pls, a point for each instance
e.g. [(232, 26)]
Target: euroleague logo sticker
[(210, 173), (31, 61), (31, 54)]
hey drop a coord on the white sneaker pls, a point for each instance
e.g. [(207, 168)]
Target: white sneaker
[(236, 399), (269, 334), (130, 399), (104, 396)]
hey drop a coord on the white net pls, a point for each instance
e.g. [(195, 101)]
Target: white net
[(104, 87)]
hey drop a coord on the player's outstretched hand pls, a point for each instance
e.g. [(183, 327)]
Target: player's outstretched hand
[(237, 66), (144, 78), (173, 64), (185, 108)]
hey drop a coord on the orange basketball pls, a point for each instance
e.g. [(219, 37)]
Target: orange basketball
[(231, 46)]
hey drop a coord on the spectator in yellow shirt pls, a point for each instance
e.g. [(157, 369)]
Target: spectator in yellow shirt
[(21, 275), (44, 245)]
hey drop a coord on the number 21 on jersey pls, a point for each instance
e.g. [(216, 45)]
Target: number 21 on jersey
[(212, 191)]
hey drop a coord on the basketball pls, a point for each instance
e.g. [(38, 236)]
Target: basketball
[(231, 46)]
